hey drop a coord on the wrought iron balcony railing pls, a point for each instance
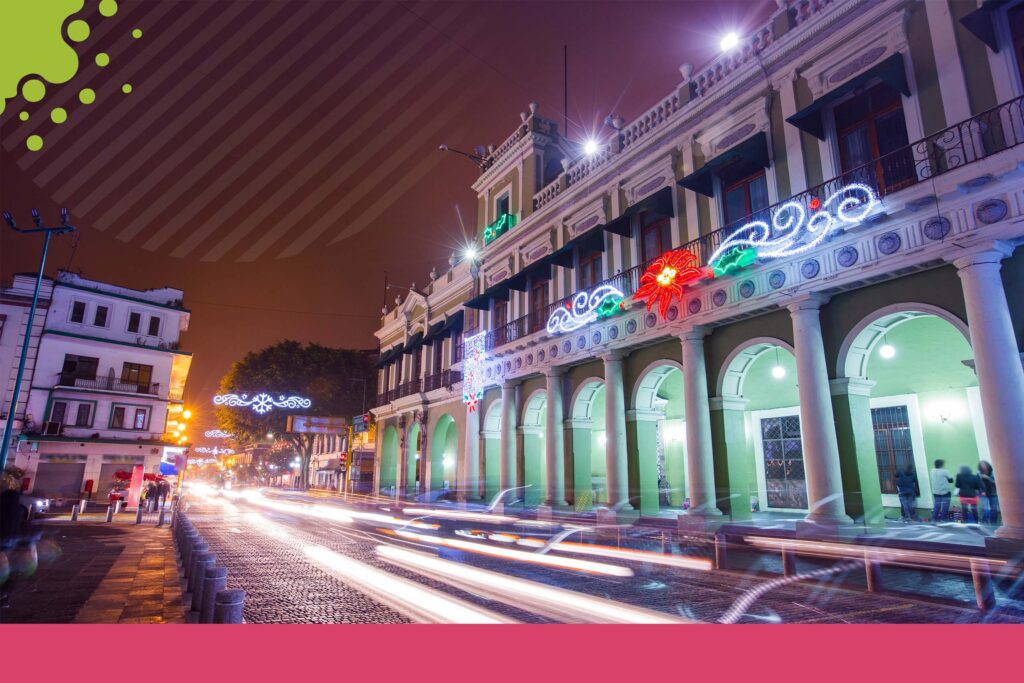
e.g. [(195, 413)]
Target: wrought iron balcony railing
[(445, 378), (108, 384)]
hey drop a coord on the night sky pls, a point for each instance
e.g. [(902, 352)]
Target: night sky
[(273, 159)]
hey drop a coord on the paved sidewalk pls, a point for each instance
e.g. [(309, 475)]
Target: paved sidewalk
[(116, 573)]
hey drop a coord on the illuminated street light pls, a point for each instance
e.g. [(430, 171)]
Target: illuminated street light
[(729, 41), (187, 414), (470, 253), (590, 147)]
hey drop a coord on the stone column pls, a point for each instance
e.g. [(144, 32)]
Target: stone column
[(616, 465), (817, 423), (469, 473), (855, 434), (952, 83), (554, 439), (794, 145), (507, 464), (692, 231), (735, 478), (997, 361), (700, 462)]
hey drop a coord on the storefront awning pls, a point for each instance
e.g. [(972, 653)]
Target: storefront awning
[(452, 323), (889, 70), (981, 22), (432, 331), (390, 355), (521, 281), (587, 243), (659, 203), (753, 150), (482, 302), (415, 341)]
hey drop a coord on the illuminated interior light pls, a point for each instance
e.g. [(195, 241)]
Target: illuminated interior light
[(778, 372), (887, 351)]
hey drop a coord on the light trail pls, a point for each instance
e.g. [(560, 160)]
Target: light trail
[(555, 603), (633, 555), (463, 516)]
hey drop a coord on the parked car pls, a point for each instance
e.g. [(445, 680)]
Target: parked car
[(35, 502)]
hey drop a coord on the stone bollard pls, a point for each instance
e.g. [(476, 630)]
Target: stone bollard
[(721, 552), (197, 551), (984, 592), (190, 539), (214, 581), (74, 513), (117, 507), (110, 513), (203, 562), (227, 606), (81, 506), (160, 518), (138, 514)]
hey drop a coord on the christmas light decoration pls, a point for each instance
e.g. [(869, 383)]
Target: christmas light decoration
[(733, 261), (217, 434), (584, 308), (505, 222), (794, 231), (199, 462), (474, 356), (665, 278), (261, 403), (214, 450)]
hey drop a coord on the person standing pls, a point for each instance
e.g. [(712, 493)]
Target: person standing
[(163, 490), (907, 488), (968, 486), (941, 491), (989, 499)]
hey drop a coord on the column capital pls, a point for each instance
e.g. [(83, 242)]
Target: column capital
[(728, 403), (555, 370), (812, 301), (613, 356), (991, 254), (643, 415), (578, 423), (510, 384), (694, 333), (853, 386)]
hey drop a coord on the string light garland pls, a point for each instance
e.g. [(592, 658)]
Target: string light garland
[(665, 279), (261, 403), (794, 229), (214, 450), (473, 359), (217, 434), (586, 307)]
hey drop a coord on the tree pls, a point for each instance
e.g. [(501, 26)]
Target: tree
[(335, 380)]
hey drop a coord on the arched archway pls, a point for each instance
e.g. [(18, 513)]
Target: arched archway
[(532, 456), (657, 442), (444, 454), (912, 398), (588, 446), (491, 452), (388, 461), (758, 429)]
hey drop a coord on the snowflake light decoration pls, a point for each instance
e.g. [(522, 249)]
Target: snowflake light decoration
[(261, 403), (217, 434), (474, 356), (666, 277)]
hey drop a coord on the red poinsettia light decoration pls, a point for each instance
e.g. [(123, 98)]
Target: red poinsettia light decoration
[(665, 278)]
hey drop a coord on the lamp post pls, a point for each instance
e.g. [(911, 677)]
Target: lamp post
[(47, 232)]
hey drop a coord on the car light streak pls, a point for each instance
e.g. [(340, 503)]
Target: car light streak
[(556, 603), (415, 601), (456, 514), (326, 512), (521, 555), (634, 555)]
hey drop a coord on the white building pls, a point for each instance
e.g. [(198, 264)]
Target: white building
[(105, 386), (15, 302)]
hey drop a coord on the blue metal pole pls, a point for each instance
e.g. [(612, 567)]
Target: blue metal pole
[(6, 443)]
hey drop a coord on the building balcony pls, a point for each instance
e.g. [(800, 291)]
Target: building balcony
[(988, 133), (445, 378), (110, 383)]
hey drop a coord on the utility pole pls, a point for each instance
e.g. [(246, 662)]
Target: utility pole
[(47, 232)]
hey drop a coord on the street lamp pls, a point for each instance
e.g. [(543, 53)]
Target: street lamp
[(47, 232), (475, 158)]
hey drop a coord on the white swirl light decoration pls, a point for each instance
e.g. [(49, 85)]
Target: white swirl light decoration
[(582, 310), (793, 233), (199, 462), (217, 434), (214, 450), (261, 403)]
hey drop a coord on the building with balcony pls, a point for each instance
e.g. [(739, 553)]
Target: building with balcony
[(15, 302), (105, 385), (794, 276)]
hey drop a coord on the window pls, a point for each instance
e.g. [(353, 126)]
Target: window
[(893, 448), (869, 128), (100, 317), (500, 314), (589, 272), (743, 194), (77, 312), (154, 326), (134, 321), (139, 375), (783, 462), (83, 417), (117, 417), (539, 305), (655, 236), (58, 411), (502, 206), (140, 418), (78, 367)]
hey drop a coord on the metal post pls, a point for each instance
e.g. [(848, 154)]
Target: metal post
[(873, 572), (227, 606), (214, 581), (160, 519), (204, 561), (199, 550), (138, 514), (788, 561), (110, 513), (984, 593), (74, 513), (5, 444), (82, 506), (721, 556)]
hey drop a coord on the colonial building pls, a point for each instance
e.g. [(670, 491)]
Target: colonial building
[(793, 276), (15, 303), (105, 386)]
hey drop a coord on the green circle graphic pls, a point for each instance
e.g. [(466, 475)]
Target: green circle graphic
[(78, 30), (23, 116), (126, 88), (34, 142), (108, 8), (58, 115), (87, 96), (102, 59), (33, 90), (136, 33)]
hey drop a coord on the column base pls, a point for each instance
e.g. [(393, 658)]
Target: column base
[(546, 511), (1007, 544), (702, 521), (606, 516), (824, 527)]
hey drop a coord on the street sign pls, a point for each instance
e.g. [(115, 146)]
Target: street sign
[(361, 423), (308, 424)]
